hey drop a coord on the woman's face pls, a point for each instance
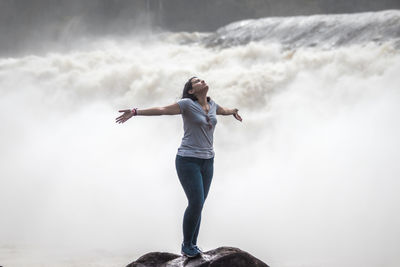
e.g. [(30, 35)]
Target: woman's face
[(198, 86)]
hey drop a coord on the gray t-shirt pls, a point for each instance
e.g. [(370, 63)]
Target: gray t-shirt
[(197, 140)]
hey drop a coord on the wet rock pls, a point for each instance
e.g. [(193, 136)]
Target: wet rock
[(220, 257)]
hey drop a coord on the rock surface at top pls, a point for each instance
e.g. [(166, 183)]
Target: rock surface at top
[(220, 257)]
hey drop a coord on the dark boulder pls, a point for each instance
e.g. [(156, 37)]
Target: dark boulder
[(220, 257)]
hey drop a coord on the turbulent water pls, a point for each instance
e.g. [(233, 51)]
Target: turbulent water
[(309, 178), (318, 30)]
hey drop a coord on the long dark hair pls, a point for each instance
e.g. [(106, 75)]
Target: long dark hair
[(187, 88)]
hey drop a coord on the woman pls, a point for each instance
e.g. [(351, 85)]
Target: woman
[(195, 158)]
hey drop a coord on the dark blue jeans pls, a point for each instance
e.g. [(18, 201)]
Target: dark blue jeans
[(195, 175)]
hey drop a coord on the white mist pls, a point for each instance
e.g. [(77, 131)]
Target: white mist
[(310, 178)]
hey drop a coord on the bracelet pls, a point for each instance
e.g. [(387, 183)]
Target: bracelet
[(134, 111)]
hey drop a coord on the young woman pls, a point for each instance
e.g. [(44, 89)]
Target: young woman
[(195, 158)]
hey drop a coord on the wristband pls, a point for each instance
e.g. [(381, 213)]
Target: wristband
[(134, 111)]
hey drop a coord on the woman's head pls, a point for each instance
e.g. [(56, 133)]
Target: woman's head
[(193, 87)]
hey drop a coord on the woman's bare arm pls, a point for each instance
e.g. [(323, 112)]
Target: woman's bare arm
[(173, 109), (228, 111)]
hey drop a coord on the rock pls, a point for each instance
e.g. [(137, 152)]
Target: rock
[(220, 257)]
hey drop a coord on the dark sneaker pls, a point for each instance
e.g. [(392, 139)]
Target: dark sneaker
[(199, 249), (189, 251)]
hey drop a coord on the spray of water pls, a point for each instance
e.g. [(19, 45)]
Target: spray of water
[(310, 178)]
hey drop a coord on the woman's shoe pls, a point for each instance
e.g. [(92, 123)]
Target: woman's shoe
[(190, 251), (199, 249)]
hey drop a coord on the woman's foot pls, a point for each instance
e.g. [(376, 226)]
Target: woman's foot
[(190, 251), (199, 249)]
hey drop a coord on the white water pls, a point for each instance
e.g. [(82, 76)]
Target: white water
[(310, 178), (327, 31)]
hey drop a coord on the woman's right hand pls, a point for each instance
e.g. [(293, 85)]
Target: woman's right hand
[(128, 113)]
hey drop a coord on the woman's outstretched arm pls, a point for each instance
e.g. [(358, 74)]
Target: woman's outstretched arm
[(228, 111), (173, 109)]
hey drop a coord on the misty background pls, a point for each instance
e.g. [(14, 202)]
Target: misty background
[(25, 25), (310, 178)]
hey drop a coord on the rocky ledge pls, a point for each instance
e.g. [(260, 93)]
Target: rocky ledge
[(220, 257)]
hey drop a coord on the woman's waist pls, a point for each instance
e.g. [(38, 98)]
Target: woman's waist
[(197, 152)]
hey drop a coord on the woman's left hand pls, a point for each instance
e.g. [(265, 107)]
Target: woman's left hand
[(236, 115)]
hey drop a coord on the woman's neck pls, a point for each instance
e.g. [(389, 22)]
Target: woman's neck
[(202, 100)]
